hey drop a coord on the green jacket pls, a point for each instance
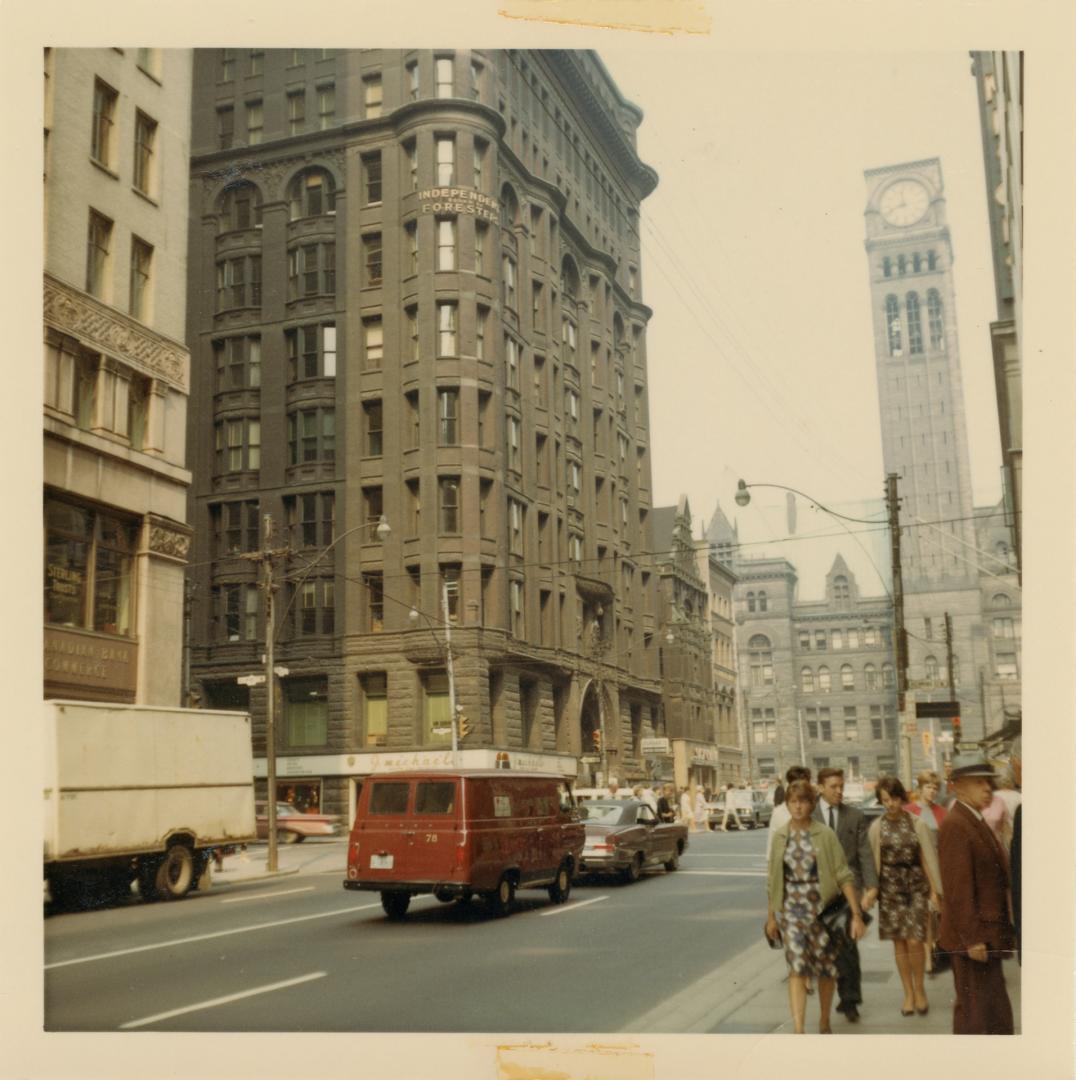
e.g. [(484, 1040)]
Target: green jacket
[(833, 870)]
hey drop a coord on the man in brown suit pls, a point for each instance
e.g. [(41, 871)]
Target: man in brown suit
[(976, 925)]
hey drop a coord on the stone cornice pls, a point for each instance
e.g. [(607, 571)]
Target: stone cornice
[(903, 166), (71, 311), (167, 538)]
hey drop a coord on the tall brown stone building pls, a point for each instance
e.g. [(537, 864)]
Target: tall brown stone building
[(415, 294)]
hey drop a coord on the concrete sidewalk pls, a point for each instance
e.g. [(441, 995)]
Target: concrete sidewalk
[(749, 995), (312, 856)]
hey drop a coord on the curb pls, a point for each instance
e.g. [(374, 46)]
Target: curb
[(714, 997), (264, 875)]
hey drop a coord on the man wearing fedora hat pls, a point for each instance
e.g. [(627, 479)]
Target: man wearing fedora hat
[(976, 924)]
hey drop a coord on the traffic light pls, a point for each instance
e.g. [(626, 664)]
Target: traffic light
[(465, 727), (596, 739), (956, 732)]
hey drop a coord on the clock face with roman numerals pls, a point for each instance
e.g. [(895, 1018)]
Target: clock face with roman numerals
[(904, 202)]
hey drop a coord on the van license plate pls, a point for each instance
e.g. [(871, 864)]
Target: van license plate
[(380, 862)]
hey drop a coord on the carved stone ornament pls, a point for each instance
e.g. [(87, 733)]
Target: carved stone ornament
[(167, 541), (121, 337), (267, 175)]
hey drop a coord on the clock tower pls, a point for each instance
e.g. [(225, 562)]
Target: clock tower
[(924, 435)]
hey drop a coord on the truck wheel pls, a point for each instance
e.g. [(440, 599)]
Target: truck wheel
[(395, 904), (64, 891), (500, 900), (634, 870), (443, 895), (673, 862), (286, 836), (175, 875), (561, 888)]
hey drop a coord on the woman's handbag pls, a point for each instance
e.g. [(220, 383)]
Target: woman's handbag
[(835, 917), (773, 942)]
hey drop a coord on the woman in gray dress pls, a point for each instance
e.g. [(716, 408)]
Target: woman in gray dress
[(909, 887)]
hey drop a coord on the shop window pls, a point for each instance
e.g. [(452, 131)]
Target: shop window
[(89, 568)]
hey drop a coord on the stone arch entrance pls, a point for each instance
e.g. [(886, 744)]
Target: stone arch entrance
[(590, 711)]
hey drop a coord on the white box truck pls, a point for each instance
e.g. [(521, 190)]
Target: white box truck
[(140, 793)]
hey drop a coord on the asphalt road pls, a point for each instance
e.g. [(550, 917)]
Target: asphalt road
[(302, 954)]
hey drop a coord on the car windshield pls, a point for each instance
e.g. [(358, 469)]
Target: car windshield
[(603, 813)]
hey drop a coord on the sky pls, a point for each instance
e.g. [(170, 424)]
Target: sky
[(761, 349)]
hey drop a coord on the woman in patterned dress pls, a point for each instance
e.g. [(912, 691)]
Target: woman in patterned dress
[(807, 870), (909, 886)]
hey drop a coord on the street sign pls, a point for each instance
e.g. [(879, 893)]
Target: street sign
[(250, 680), (654, 746), (589, 759), (938, 709)]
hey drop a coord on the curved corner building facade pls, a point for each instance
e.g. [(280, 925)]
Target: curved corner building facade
[(415, 293)]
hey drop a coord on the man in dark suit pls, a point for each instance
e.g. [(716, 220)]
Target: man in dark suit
[(976, 925), (850, 825)]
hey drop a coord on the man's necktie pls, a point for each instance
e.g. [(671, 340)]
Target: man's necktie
[(832, 819)]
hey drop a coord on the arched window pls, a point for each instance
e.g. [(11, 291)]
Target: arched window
[(240, 207), (917, 262), (807, 680), (870, 677), (311, 194), (887, 267), (892, 324), (750, 601), (915, 324), (902, 264), (1001, 550), (1000, 599), (848, 678), (935, 319), (509, 208), (569, 279), (760, 660), (1003, 627), (932, 672), (840, 587), (932, 260), (762, 600), (823, 680), (889, 676)]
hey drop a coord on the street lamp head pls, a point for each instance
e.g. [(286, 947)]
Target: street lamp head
[(670, 637), (413, 615), (383, 529), (743, 496)]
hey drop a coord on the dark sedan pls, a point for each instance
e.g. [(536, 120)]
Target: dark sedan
[(624, 837)]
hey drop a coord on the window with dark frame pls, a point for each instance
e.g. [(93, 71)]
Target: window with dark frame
[(238, 362), (104, 114), (371, 169), (145, 146), (140, 295), (236, 527), (448, 489), (98, 244)]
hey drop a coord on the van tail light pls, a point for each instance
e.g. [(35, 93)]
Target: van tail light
[(353, 852)]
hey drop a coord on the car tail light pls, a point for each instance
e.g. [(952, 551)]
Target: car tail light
[(604, 847)]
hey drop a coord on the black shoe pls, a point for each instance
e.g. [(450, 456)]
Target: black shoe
[(851, 1014)]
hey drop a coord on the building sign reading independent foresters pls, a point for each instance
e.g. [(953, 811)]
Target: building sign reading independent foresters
[(452, 200)]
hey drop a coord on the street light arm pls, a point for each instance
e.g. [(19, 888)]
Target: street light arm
[(382, 528), (743, 498)]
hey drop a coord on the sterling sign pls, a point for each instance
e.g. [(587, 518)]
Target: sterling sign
[(451, 200)]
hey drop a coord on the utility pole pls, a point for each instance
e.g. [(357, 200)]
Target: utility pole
[(949, 654), (449, 671), (266, 558), (904, 741)]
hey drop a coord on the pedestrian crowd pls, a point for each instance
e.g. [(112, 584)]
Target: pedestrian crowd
[(945, 879)]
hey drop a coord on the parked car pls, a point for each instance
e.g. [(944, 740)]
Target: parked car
[(462, 833), (293, 826), (624, 837), (589, 794), (750, 809)]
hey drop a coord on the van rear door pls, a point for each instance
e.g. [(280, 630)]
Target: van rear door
[(435, 824), (382, 832)]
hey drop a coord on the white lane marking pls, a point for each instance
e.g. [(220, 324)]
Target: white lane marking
[(266, 895), (212, 1004), (571, 907), (725, 873), (207, 937)]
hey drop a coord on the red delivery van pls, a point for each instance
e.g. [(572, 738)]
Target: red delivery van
[(462, 833)]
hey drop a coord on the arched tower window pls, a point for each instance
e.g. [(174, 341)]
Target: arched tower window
[(311, 194), (823, 680), (840, 587), (932, 260), (935, 319), (509, 208), (848, 678), (870, 677), (932, 672), (240, 207), (887, 267), (750, 601), (915, 324), (760, 660), (807, 680), (902, 264), (569, 279), (889, 676), (917, 262), (892, 324), (762, 600)]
